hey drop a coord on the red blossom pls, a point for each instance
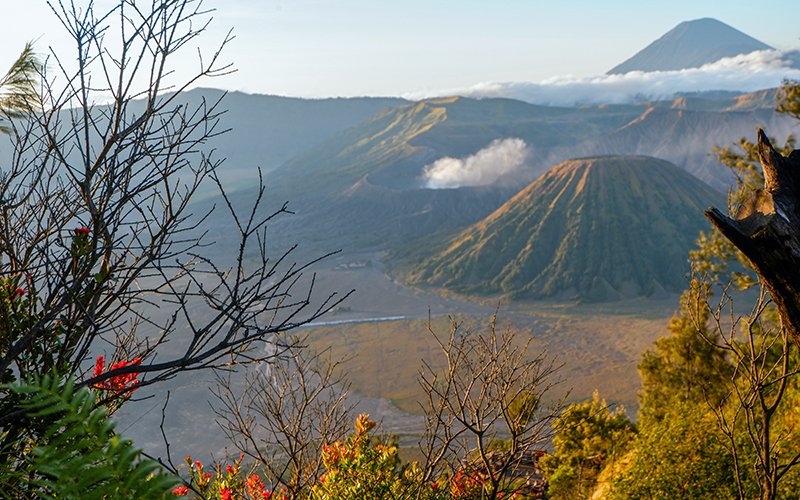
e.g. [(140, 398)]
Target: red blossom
[(99, 365), (225, 494), (117, 383), (81, 231), (19, 292), (180, 491), (255, 487)]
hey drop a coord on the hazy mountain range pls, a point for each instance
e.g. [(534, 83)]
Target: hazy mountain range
[(430, 181), (389, 174)]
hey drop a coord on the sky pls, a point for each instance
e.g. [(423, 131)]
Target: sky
[(330, 48)]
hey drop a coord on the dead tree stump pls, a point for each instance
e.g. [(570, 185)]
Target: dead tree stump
[(767, 230)]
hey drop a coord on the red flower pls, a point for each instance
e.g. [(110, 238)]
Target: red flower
[(117, 383), (99, 366), (81, 231), (180, 491), (255, 486), (19, 292), (225, 494), (230, 470)]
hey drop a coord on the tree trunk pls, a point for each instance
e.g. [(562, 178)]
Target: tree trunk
[(767, 230)]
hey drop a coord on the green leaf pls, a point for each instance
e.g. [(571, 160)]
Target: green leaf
[(77, 454)]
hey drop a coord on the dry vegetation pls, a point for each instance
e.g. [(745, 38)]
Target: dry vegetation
[(599, 347)]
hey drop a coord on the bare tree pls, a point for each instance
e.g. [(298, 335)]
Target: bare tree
[(485, 410), (750, 414), (97, 229), (282, 414)]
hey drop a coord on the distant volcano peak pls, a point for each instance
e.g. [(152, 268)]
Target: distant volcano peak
[(691, 44)]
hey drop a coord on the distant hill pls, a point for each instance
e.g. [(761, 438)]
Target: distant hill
[(596, 228), (267, 130), (691, 44), (684, 131), (393, 147)]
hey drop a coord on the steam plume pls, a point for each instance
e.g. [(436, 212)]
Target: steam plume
[(499, 158)]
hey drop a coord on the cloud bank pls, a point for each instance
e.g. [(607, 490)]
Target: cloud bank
[(499, 158), (746, 73)]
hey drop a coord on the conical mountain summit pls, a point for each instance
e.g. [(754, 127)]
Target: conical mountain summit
[(691, 44), (599, 228)]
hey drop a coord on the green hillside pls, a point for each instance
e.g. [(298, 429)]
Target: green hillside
[(594, 228)]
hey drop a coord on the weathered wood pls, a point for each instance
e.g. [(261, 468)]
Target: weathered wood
[(767, 230)]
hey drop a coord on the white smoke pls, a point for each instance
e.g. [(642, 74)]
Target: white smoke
[(499, 158), (746, 73)]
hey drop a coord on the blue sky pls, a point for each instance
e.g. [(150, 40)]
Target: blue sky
[(318, 48)]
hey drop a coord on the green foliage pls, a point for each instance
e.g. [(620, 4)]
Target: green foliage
[(523, 408), (77, 454), (681, 456), (588, 437), (715, 421), (684, 366), (789, 98)]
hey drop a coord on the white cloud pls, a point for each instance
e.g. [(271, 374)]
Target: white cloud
[(748, 72), (499, 158)]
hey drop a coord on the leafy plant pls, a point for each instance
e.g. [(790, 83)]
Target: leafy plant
[(77, 453), (589, 436)]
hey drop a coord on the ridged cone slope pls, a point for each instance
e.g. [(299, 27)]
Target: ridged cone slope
[(594, 228)]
